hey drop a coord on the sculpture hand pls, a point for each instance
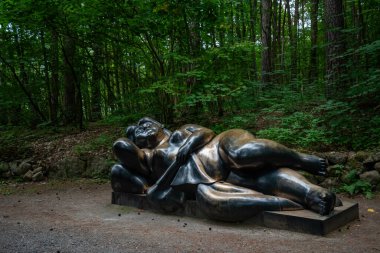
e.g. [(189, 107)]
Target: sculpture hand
[(183, 154)]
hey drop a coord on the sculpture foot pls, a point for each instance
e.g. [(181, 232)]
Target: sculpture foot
[(321, 201), (315, 165)]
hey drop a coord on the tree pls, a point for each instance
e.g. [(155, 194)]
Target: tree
[(334, 24), (266, 66)]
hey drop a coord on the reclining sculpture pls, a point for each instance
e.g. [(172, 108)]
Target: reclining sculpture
[(232, 176)]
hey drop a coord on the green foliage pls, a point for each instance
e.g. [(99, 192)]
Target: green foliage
[(299, 129), (243, 121), (102, 141), (353, 185), (359, 186), (348, 126), (183, 62), (121, 120)]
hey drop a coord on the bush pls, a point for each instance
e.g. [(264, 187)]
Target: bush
[(299, 129)]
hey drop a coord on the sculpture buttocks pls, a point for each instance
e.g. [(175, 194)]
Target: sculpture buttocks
[(232, 176)]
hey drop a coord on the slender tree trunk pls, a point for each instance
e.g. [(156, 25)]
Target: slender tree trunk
[(295, 57), (54, 77), (313, 67), (73, 96), (266, 41), (96, 113), (46, 74), (253, 20)]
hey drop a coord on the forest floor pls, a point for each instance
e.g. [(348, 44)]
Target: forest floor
[(77, 216)]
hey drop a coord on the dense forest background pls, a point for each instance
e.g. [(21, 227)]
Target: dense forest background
[(302, 72)]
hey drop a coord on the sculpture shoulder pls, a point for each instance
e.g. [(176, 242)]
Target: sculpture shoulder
[(193, 127)]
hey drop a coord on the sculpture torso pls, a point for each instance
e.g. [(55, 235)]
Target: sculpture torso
[(207, 159)]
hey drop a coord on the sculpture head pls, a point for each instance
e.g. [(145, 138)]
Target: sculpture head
[(148, 133)]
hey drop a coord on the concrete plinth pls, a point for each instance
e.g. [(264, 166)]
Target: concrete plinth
[(303, 221)]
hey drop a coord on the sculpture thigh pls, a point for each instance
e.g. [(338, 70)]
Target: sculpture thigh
[(123, 180), (240, 150)]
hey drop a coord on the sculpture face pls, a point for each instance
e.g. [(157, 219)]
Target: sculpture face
[(148, 135)]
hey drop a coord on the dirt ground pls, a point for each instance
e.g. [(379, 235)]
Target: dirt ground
[(76, 216)]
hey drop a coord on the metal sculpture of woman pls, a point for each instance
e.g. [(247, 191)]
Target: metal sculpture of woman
[(232, 175)]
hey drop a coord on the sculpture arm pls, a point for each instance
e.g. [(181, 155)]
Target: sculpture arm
[(199, 137), (132, 156)]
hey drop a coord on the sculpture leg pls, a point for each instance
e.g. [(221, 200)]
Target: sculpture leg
[(290, 184), (122, 180), (223, 201), (243, 152)]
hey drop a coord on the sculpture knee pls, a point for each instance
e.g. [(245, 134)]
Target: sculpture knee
[(119, 148), (122, 180)]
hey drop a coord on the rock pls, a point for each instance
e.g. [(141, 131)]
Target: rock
[(361, 156), (372, 177), (39, 176), (28, 175), (13, 167), (336, 157), (68, 167), (377, 166), (38, 170), (330, 182), (4, 167), (22, 168), (372, 160)]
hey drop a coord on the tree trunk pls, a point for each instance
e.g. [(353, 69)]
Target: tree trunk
[(266, 41), (54, 78), (253, 20), (313, 67), (72, 97), (334, 23), (96, 113)]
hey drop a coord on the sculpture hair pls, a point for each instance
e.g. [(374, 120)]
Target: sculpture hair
[(147, 119)]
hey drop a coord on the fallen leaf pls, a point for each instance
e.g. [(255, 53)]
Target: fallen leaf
[(371, 210)]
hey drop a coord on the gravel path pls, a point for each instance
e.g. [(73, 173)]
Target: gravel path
[(76, 216)]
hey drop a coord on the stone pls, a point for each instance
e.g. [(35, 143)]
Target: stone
[(361, 156), (373, 177), (330, 182), (377, 166), (372, 160), (39, 176), (336, 157), (13, 166), (4, 167), (28, 175), (38, 170), (22, 168)]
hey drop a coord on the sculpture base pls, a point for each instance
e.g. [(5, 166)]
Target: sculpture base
[(303, 221)]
